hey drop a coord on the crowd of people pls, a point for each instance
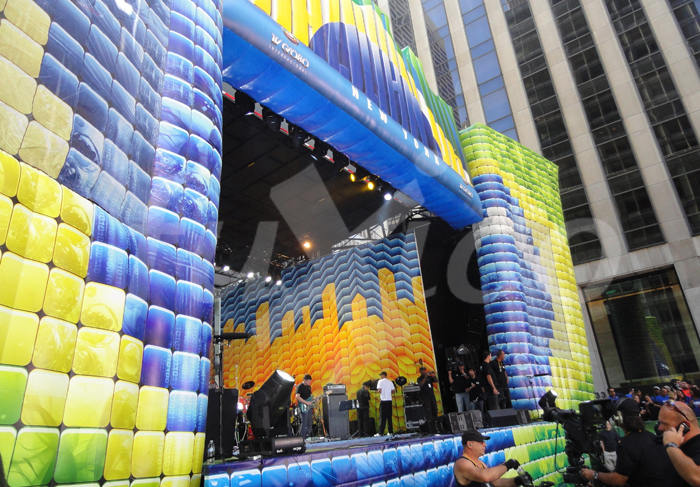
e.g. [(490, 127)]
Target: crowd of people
[(650, 404)]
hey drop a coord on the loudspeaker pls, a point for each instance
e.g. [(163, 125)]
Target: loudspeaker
[(503, 417), (337, 422), (460, 422), (476, 418), (270, 447), (523, 416), (224, 444), (415, 416)]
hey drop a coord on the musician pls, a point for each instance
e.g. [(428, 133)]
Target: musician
[(385, 388), (363, 410), (304, 397)]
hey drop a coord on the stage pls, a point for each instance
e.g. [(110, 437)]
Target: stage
[(409, 460)]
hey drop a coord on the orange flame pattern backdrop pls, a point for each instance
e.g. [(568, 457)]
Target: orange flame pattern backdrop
[(381, 325)]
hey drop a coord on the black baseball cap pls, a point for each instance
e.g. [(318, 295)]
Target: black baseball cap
[(474, 435)]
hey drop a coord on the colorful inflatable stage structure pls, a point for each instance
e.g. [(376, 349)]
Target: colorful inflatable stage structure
[(110, 167)]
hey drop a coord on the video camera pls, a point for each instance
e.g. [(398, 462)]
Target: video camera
[(582, 433)]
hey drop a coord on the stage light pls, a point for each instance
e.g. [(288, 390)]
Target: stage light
[(548, 400), (245, 103), (320, 149), (388, 196), (279, 282), (307, 245), (370, 184), (352, 178), (298, 136), (225, 268), (273, 120), (268, 279), (250, 275), (268, 411)]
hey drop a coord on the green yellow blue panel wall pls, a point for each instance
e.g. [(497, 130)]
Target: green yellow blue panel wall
[(342, 319), (109, 187), (531, 300)]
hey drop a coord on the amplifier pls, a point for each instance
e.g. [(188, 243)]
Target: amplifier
[(411, 388), (271, 447), (334, 389), (415, 416)]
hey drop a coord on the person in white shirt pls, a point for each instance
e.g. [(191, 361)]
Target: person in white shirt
[(385, 388)]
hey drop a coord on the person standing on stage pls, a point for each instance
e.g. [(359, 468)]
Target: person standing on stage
[(363, 410), (499, 370), (385, 388), (461, 385), (304, 397), (425, 382), (488, 382), (475, 393)]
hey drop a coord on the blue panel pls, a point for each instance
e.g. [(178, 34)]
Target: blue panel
[(148, 97), (322, 473), (184, 373), (139, 182), (187, 334), (152, 73), (65, 49), (300, 475), (162, 289), (177, 89), (173, 139), (343, 469), (202, 399), (247, 478), (131, 46), (219, 480), (120, 131), (182, 409), (59, 80), (108, 193), (147, 125), (108, 265), (155, 370), (73, 21), (123, 102), (97, 76), (127, 75), (275, 476), (105, 20), (79, 173), (159, 327), (102, 48), (179, 67), (92, 107), (188, 300), (162, 257), (375, 461), (135, 314), (138, 282)]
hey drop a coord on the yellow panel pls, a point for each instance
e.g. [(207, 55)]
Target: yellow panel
[(315, 16), (96, 352), (198, 452), (89, 402), (130, 358), (18, 331), (38, 192), (45, 398), (31, 235), (5, 215), (177, 459), (77, 211), (72, 250), (53, 113), (14, 125), (284, 13), (126, 397), (21, 49), (264, 5), (118, 461), (43, 149), (147, 456), (179, 481), (30, 18), (64, 295), (55, 344), (300, 22), (103, 306), (153, 408), (9, 175), (17, 88), (23, 282)]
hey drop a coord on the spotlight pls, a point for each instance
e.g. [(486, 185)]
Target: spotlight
[(269, 405), (250, 275), (370, 183), (352, 178), (268, 279), (298, 136), (320, 149), (225, 268), (388, 196), (279, 282), (307, 245), (273, 120), (548, 400), (245, 102)]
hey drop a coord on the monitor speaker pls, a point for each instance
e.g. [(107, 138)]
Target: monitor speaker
[(460, 422), (229, 404), (476, 418), (503, 417), (523, 416)]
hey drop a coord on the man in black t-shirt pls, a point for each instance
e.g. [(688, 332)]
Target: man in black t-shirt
[(475, 393), (426, 381), (610, 440), (682, 442), (499, 371), (363, 410), (488, 382), (304, 401), (640, 459), (461, 385)]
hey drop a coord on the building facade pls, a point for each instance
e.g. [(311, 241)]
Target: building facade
[(609, 90)]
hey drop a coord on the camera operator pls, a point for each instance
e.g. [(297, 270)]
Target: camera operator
[(682, 442), (640, 459), (461, 385), (469, 470)]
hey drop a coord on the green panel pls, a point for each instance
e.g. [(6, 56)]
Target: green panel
[(81, 455), (34, 457), (13, 381), (7, 443)]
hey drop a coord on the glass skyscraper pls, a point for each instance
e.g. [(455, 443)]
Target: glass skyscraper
[(609, 90)]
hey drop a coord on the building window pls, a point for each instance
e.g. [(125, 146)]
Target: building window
[(402, 24), (643, 328)]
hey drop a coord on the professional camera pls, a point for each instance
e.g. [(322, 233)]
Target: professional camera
[(582, 433)]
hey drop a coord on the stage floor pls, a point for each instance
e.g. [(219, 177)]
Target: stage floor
[(410, 460)]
